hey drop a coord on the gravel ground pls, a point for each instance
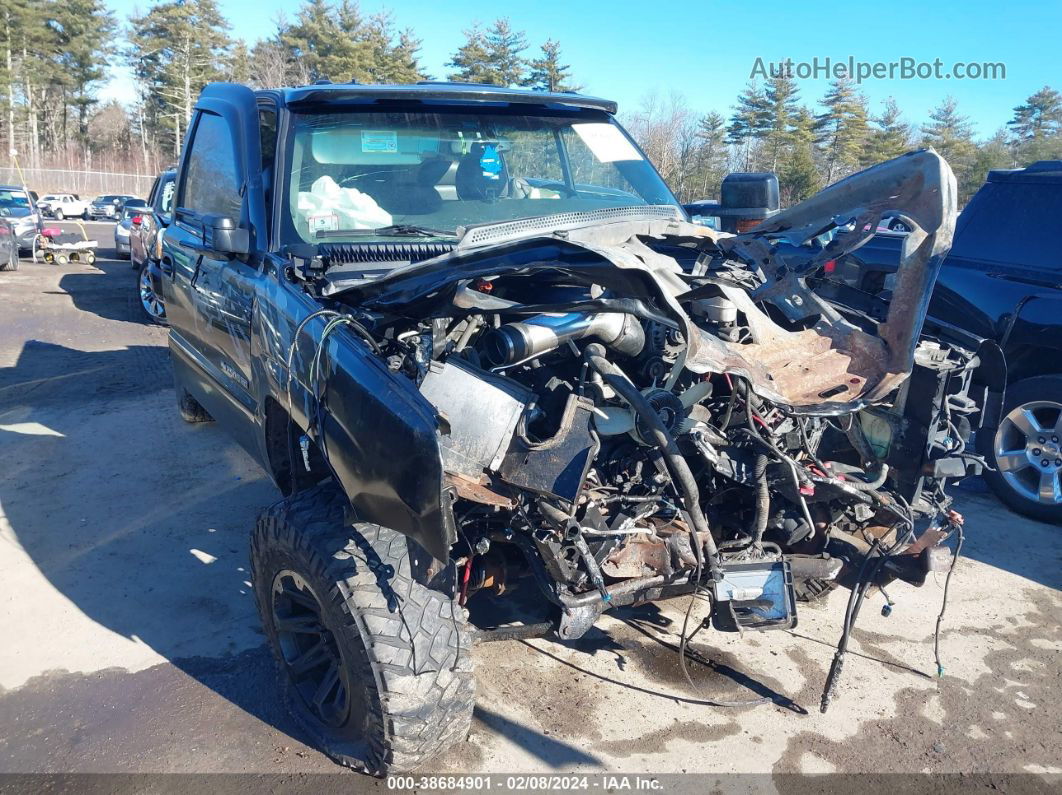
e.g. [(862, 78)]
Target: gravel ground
[(131, 642)]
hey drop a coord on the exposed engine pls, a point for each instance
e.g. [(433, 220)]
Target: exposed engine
[(690, 412)]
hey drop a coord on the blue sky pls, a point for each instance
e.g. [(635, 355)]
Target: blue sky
[(621, 50)]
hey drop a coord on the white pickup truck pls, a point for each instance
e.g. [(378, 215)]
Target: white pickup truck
[(63, 205)]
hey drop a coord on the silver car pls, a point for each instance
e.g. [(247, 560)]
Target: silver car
[(20, 209), (132, 208)]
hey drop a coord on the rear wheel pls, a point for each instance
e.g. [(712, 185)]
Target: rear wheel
[(374, 663), (1027, 449)]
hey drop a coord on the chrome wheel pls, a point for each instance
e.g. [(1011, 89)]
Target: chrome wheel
[(311, 656), (1028, 451), (149, 299)]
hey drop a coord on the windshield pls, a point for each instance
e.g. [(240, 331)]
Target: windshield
[(14, 204), (439, 171)]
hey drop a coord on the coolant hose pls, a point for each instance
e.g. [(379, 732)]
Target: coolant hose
[(763, 498), (594, 354)]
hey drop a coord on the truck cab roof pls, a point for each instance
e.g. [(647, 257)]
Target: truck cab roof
[(1038, 172), (326, 93)]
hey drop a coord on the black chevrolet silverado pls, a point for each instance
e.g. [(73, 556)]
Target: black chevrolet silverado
[(480, 348), (1003, 281)]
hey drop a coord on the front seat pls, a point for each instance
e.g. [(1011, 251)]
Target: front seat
[(482, 174)]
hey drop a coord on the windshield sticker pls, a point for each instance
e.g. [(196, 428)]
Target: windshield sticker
[(490, 163), (385, 141), (326, 222), (606, 142)]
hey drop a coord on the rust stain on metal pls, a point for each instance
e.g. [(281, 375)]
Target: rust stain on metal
[(478, 492)]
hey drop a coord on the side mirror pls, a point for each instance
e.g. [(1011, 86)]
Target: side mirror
[(746, 199), (222, 235)]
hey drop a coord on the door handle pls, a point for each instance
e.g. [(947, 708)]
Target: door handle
[(198, 248)]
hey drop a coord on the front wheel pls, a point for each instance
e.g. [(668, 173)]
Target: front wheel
[(373, 663), (1027, 449), (59, 215)]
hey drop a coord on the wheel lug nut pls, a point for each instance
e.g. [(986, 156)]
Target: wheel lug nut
[(1037, 451), (1045, 463), (1041, 440), (1058, 462)]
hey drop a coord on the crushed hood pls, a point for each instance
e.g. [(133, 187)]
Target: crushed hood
[(829, 365)]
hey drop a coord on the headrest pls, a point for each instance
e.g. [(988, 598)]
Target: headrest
[(482, 174)]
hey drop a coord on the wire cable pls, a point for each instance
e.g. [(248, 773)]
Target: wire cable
[(944, 603)]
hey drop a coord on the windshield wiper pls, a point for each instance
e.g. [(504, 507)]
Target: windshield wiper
[(393, 230)]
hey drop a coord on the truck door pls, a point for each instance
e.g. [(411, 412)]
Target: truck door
[(209, 293)]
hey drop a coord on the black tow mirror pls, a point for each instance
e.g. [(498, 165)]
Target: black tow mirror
[(223, 235)]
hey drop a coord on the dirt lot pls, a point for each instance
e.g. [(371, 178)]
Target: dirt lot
[(131, 643)]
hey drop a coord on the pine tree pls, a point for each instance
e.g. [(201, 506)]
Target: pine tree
[(176, 48), (321, 40), (951, 134), (86, 30), (711, 153), (239, 66), (400, 63), (505, 48), (841, 130), (799, 176), (547, 73), (1039, 117), (472, 59), (748, 122), (781, 96), (889, 137)]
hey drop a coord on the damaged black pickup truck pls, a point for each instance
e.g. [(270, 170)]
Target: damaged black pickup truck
[(477, 344)]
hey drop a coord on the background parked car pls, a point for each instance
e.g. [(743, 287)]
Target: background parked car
[(8, 246), (109, 206), (145, 246), (64, 205), (1001, 281), (19, 208), (125, 222)]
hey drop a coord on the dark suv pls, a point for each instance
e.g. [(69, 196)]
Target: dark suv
[(1003, 281)]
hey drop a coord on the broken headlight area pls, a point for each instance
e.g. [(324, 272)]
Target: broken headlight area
[(635, 409)]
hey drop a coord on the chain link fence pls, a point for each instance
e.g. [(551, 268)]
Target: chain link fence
[(86, 184)]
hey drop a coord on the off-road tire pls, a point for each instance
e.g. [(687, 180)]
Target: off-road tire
[(190, 409), (405, 647)]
